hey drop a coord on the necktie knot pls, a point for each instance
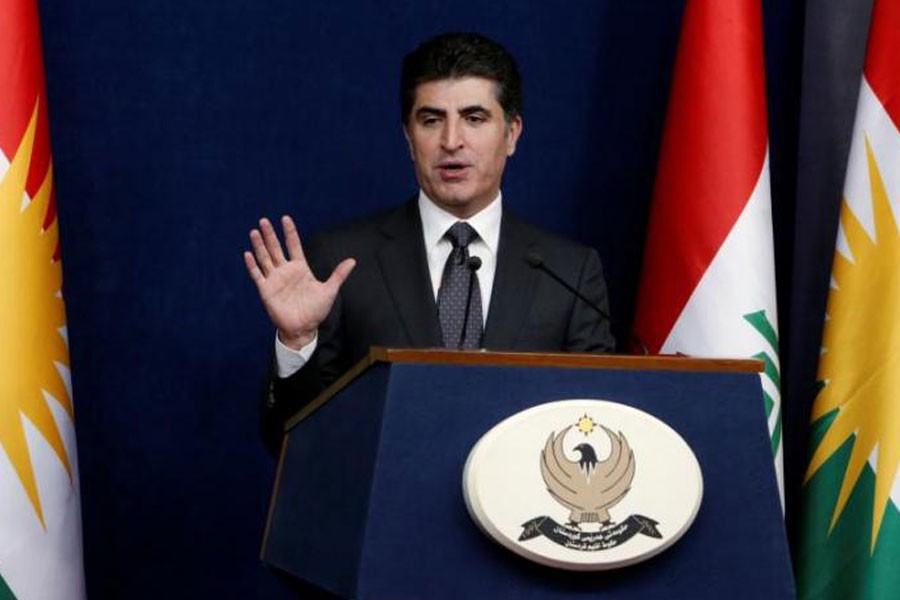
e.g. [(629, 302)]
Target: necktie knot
[(460, 234)]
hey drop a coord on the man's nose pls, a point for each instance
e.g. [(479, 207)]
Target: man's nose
[(452, 135)]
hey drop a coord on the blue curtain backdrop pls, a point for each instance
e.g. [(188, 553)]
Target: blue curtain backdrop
[(176, 125)]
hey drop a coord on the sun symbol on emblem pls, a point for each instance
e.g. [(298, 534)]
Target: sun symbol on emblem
[(586, 425)]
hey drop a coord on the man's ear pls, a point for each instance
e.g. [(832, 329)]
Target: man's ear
[(513, 131), (408, 141)]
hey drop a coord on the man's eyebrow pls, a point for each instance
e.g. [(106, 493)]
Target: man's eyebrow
[(474, 109), (430, 111)]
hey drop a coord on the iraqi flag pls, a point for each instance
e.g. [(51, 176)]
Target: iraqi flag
[(708, 281), (40, 514), (850, 542)]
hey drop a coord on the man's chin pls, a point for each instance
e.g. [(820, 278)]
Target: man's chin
[(461, 206)]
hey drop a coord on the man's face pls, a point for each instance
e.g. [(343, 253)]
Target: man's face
[(459, 141)]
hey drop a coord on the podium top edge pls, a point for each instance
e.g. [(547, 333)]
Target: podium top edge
[(441, 356), (561, 359)]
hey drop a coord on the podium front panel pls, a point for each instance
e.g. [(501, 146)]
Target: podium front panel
[(400, 435)]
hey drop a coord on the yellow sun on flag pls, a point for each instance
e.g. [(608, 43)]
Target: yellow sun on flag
[(32, 318), (860, 363), (586, 424)]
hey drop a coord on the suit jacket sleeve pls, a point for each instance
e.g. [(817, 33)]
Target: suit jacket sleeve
[(588, 331), (285, 396)]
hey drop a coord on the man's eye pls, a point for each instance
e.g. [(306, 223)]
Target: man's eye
[(476, 119), (430, 121)]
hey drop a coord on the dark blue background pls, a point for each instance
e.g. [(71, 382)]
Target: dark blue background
[(175, 125)]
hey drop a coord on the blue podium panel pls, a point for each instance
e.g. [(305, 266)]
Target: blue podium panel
[(372, 507), (318, 518)]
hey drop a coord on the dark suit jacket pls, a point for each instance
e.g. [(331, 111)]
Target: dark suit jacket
[(388, 301)]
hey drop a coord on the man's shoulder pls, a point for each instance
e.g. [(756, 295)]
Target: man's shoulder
[(373, 228), (384, 222), (543, 239)]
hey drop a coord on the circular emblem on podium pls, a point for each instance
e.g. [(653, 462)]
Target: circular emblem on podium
[(583, 485)]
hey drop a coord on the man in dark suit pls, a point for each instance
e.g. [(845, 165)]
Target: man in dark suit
[(447, 269)]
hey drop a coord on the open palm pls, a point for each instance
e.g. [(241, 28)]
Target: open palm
[(295, 300)]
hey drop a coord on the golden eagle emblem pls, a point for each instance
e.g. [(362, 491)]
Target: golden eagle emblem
[(587, 486)]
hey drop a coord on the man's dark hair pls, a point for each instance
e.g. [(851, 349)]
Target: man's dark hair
[(458, 55)]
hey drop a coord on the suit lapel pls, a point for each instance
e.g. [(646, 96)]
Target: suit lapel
[(515, 283), (405, 270)]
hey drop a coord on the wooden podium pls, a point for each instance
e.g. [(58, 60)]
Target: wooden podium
[(368, 503)]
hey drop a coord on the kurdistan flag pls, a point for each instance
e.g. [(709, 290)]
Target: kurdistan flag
[(40, 515), (708, 281), (850, 545)]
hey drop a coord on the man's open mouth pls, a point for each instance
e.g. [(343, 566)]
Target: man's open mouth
[(452, 167)]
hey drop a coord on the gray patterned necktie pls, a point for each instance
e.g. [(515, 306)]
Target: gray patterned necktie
[(454, 293)]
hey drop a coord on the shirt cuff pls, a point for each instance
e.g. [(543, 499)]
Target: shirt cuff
[(288, 361)]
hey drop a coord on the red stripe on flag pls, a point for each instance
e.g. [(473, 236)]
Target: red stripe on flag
[(883, 55), (22, 85), (712, 153)]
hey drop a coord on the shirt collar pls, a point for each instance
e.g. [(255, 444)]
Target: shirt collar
[(436, 221)]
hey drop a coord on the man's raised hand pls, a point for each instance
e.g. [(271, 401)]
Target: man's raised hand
[(295, 300)]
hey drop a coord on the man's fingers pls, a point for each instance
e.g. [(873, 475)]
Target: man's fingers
[(263, 260), (270, 238), (340, 274), (252, 268), (292, 238)]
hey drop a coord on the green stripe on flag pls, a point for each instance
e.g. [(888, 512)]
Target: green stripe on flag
[(764, 326), (769, 403), (769, 368), (5, 592), (818, 429), (839, 564), (776, 434)]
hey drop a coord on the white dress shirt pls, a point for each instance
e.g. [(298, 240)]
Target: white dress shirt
[(435, 223)]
